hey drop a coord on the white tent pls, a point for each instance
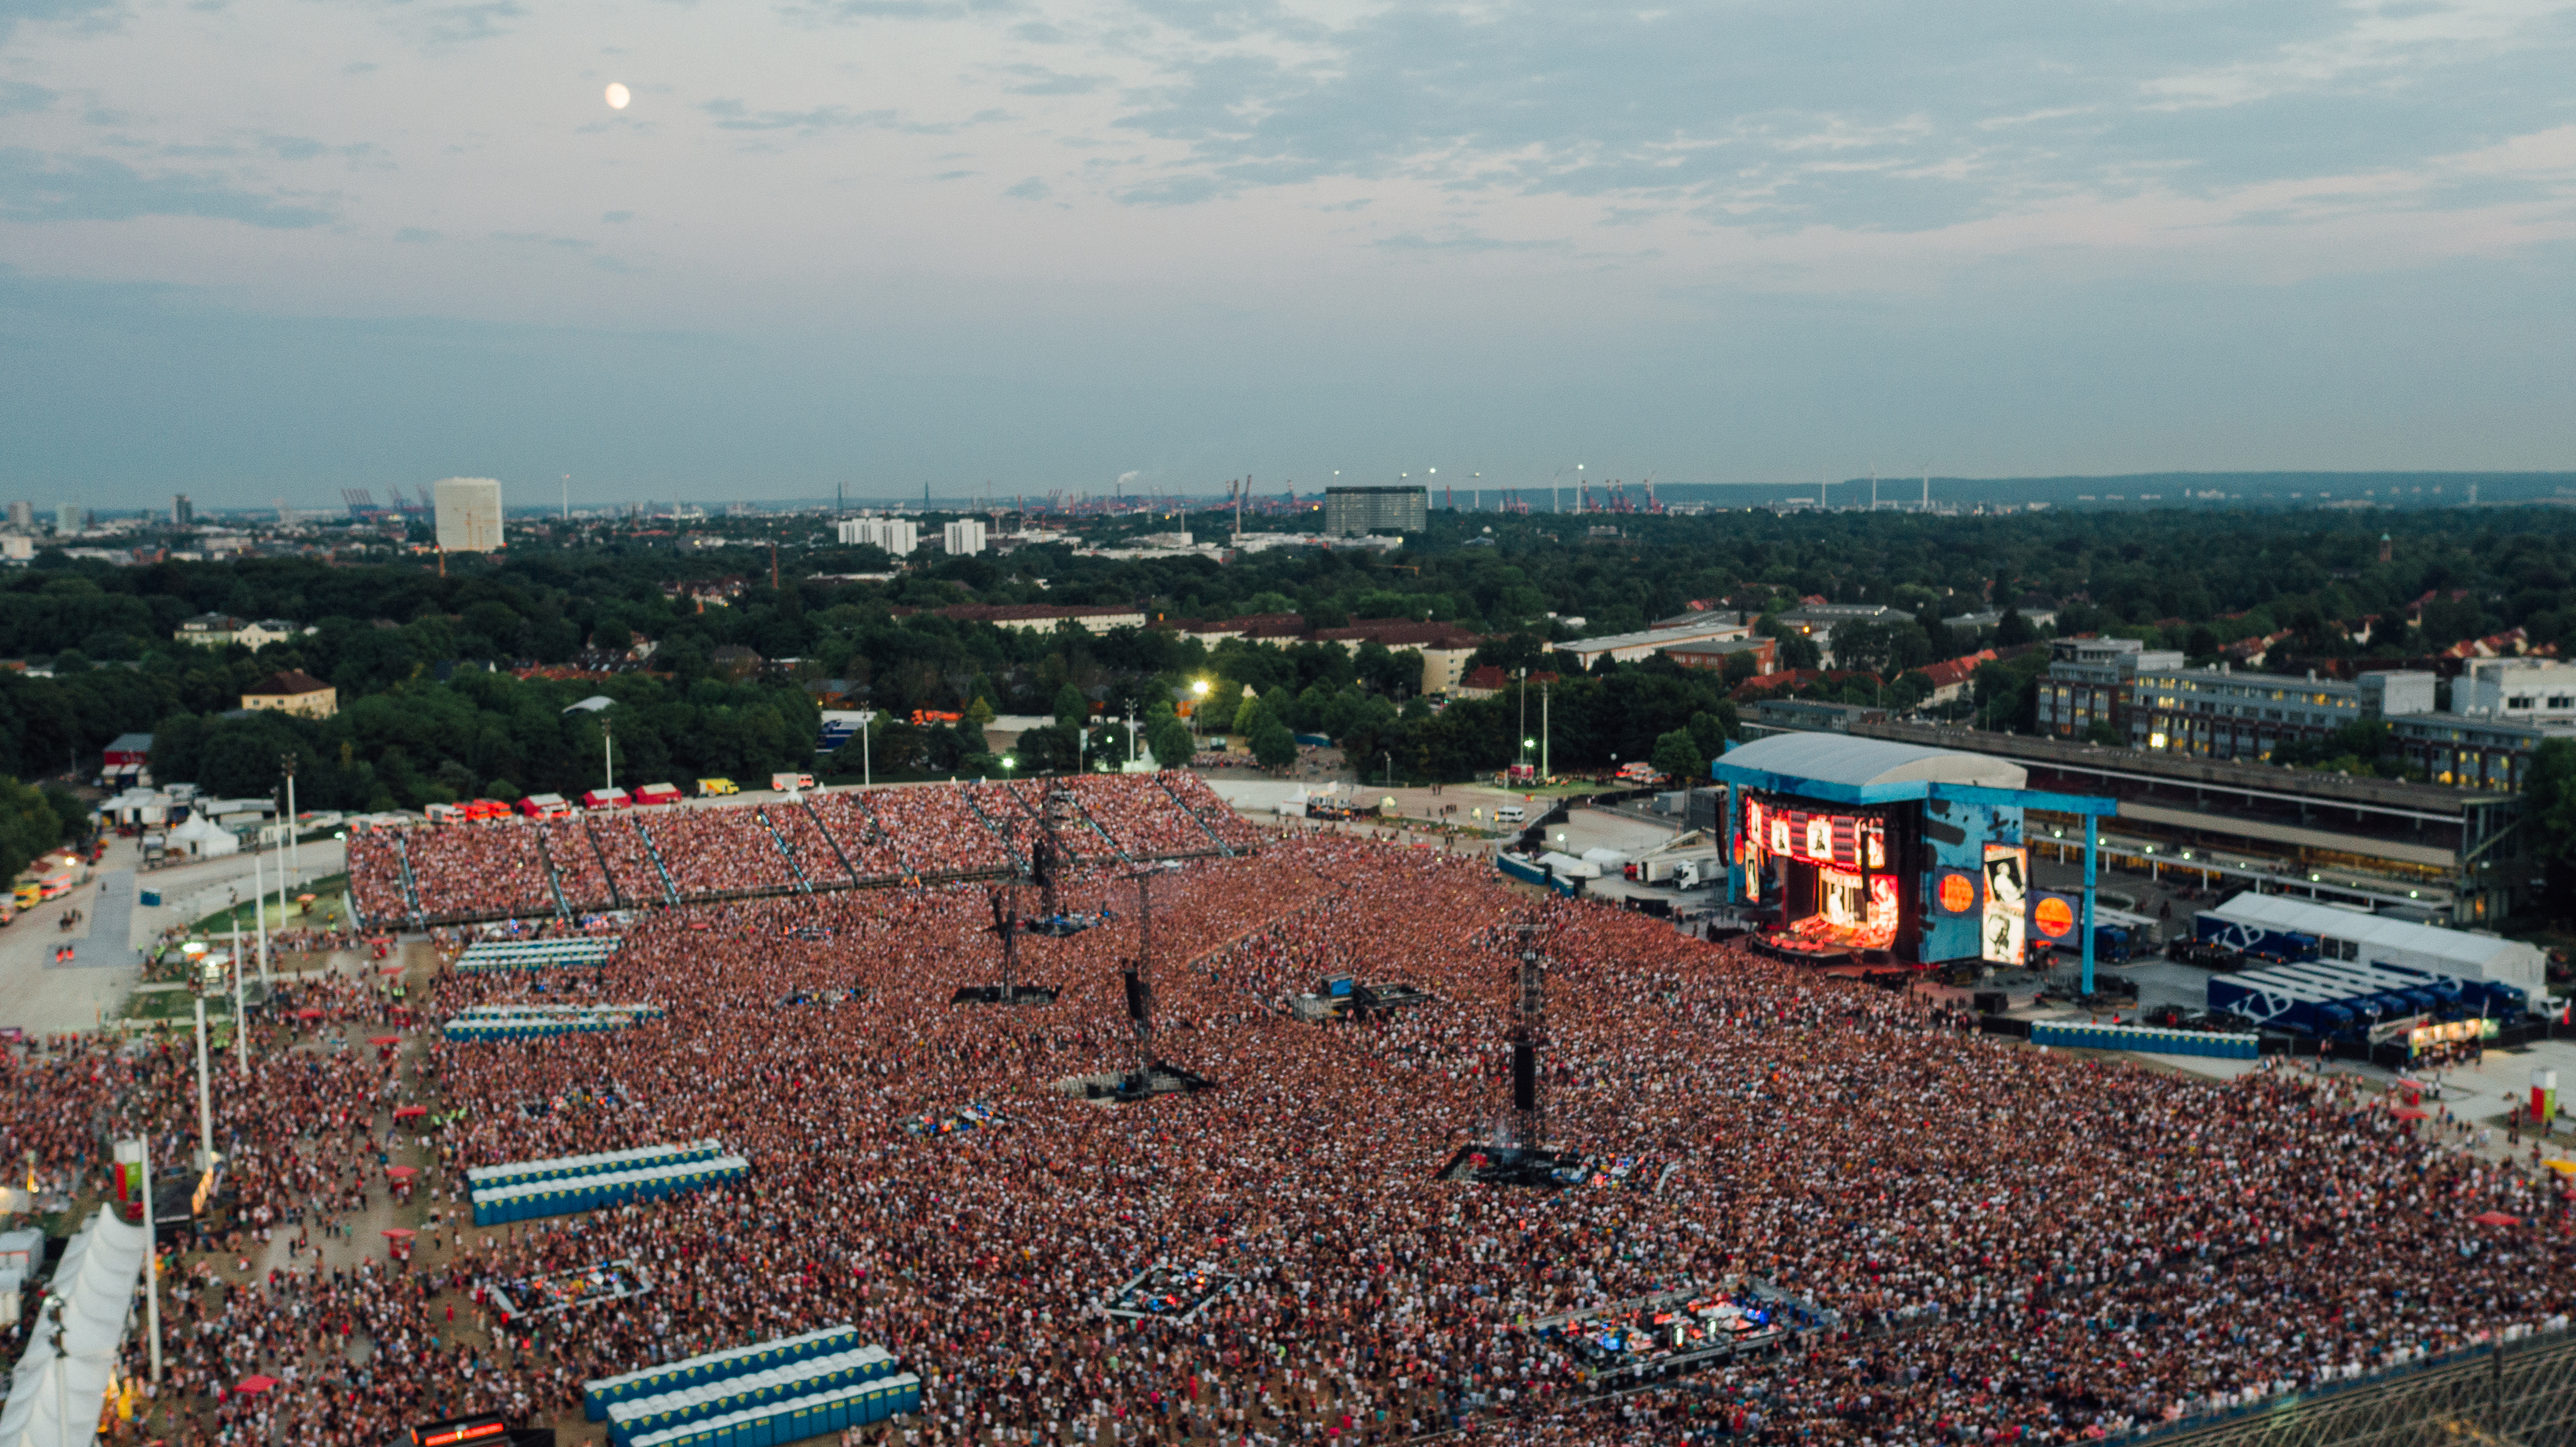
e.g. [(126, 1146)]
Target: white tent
[(204, 838), (2379, 940), (54, 1400)]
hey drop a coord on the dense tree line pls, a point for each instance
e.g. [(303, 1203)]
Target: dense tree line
[(405, 645)]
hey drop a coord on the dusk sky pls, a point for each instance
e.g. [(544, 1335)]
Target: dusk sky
[(264, 248)]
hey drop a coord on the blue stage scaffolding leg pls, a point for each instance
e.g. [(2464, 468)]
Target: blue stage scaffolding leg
[(1726, 851), (2092, 842)]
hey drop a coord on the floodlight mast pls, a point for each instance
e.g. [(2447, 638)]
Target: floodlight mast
[(1140, 977), (1529, 1038)]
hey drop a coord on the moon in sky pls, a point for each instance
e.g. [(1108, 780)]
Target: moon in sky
[(618, 96)]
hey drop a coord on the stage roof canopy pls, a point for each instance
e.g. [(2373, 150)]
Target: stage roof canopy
[(1848, 770), (1842, 759)]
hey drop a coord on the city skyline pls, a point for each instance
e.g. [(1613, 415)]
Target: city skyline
[(269, 249)]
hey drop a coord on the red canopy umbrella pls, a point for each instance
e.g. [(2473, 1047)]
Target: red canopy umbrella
[(400, 1233), (402, 1173), (2496, 1218), (308, 1013), (406, 1112), (384, 1040), (254, 1385), (2410, 1113), (391, 970)]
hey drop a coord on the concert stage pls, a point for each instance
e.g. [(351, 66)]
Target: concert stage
[(554, 1291), (1862, 851), (1676, 1331), (1167, 1293), (1004, 995)]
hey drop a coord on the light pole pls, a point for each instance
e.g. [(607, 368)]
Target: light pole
[(294, 850), (138, 1151), (867, 768), (1199, 688), (1544, 769), (259, 916), (1525, 739), (205, 1107), (241, 1033), (608, 751)]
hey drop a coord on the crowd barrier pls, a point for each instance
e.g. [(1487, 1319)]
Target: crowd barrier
[(555, 1168), (861, 1404), (758, 1391), (601, 1393), (2145, 1039), (573, 1195)]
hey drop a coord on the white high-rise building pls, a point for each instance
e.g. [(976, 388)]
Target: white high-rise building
[(22, 516), (963, 537), (897, 536), (469, 515)]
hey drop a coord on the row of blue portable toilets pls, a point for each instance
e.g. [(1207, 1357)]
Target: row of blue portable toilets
[(565, 1195), (2080, 1035), (762, 1395), (466, 1028)]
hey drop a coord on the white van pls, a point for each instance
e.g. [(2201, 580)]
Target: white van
[(1510, 814)]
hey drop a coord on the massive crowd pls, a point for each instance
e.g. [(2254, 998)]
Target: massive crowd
[(2014, 1244), (515, 868)]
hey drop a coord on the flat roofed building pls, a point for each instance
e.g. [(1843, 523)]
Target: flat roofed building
[(469, 514), (2521, 690), (2228, 715), (2383, 843), (2472, 751), (1351, 511), (2088, 683), (1630, 647)]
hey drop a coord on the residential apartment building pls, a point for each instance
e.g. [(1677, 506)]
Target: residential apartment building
[(963, 538), (2088, 683), (897, 536)]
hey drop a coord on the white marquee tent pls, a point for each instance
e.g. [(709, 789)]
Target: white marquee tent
[(55, 1399)]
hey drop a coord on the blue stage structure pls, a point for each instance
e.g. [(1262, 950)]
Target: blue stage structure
[(1870, 847)]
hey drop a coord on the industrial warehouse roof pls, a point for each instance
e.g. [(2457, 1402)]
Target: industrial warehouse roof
[(1861, 763)]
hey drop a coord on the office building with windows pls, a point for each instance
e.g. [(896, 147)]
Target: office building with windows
[(1354, 511), (2088, 683)]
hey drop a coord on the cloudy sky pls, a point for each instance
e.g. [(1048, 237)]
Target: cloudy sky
[(258, 248)]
